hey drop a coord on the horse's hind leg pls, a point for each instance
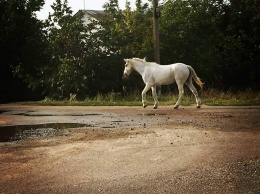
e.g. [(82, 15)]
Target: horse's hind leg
[(155, 97), (147, 87), (194, 91), (181, 93)]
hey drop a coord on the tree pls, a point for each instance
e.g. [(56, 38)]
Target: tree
[(126, 34), (189, 34), (239, 50), (22, 47), (64, 75), (219, 38), (81, 62)]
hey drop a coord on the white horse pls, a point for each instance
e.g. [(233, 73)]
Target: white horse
[(154, 74)]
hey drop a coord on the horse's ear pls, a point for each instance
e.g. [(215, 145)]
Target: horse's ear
[(145, 59), (126, 60)]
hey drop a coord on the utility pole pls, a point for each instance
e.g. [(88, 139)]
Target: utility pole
[(156, 15)]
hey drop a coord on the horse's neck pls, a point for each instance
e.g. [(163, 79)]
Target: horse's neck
[(139, 67)]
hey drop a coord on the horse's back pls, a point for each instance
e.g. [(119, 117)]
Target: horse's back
[(179, 71), (177, 68), (167, 74)]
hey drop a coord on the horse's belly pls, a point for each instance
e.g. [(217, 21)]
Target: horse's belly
[(166, 81)]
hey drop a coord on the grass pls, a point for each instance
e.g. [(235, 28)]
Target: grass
[(209, 97), (231, 98)]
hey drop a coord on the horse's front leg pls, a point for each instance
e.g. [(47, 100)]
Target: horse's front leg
[(155, 97), (146, 88)]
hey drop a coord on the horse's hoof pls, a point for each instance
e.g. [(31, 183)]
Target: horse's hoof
[(145, 106), (155, 107), (175, 107), (198, 106)]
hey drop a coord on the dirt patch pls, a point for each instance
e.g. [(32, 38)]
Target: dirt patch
[(134, 150)]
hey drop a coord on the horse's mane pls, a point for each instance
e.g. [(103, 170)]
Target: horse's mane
[(145, 62)]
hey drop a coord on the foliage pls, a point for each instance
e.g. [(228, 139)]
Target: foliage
[(189, 35), (22, 47), (219, 38), (65, 72), (67, 60), (125, 34), (239, 50), (86, 60)]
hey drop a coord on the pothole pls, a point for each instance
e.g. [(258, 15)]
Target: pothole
[(20, 132)]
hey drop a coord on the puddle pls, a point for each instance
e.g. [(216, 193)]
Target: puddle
[(48, 115), (32, 115), (20, 132), (152, 114), (2, 111), (35, 114), (21, 113), (108, 127), (92, 114)]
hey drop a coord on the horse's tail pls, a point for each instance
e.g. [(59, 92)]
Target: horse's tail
[(195, 77)]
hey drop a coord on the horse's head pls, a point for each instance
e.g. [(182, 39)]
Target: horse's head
[(128, 68)]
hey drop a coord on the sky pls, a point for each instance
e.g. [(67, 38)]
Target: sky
[(80, 4)]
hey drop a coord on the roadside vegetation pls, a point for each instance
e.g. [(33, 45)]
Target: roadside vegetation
[(62, 58), (210, 97)]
